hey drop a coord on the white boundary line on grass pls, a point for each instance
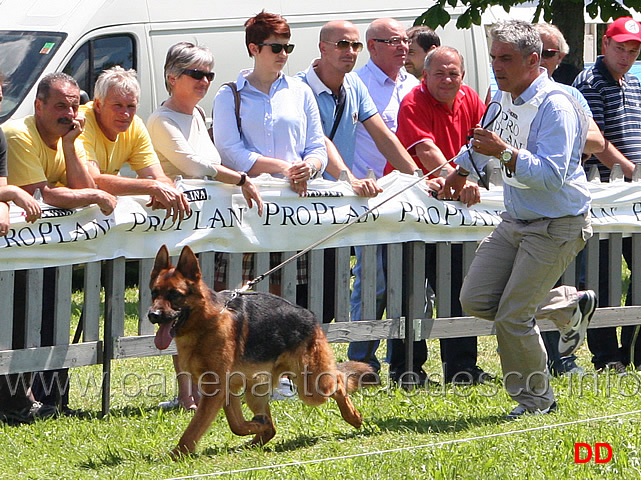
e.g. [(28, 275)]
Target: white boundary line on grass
[(401, 449)]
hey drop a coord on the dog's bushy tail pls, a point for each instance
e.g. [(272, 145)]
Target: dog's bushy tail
[(358, 375)]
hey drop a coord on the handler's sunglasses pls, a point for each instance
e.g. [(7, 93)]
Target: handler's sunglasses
[(199, 74), (278, 47), (549, 53), (346, 44)]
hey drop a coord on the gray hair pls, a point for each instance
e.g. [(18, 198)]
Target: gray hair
[(440, 50), (553, 30), (183, 55), (521, 35), (123, 81), (47, 82)]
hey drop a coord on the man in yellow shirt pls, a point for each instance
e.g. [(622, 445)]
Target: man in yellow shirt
[(115, 135), (42, 152), (43, 155)]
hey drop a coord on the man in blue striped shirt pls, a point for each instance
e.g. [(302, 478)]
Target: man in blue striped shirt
[(614, 97)]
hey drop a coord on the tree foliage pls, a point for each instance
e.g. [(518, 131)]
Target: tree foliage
[(565, 14), (438, 16)]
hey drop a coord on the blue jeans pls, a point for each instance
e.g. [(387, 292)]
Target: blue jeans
[(365, 351)]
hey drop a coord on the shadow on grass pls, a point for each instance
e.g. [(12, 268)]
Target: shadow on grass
[(434, 425), (106, 460)]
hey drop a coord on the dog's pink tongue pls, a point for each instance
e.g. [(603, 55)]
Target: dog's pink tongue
[(163, 336)]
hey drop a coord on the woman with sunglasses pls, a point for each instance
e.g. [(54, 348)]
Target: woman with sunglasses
[(279, 132), (281, 128), (178, 130), (181, 140)]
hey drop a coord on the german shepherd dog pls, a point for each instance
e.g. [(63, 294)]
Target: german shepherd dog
[(243, 342)]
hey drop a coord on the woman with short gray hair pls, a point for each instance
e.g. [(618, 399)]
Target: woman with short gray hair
[(183, 145)]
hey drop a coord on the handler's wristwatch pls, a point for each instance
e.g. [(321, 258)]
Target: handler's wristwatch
[(506, 156)]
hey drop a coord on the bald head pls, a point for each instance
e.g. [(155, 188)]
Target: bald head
[(381, 26), (388, 45), (335, 29)]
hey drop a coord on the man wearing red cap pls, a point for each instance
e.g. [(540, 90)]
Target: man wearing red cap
[(614, 97)]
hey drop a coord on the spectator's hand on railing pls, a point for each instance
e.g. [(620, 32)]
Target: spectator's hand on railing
[(251, 194), (30, 205), (470, 194), (168, 197), (366, 187), (106, 202), (452, 187), (298, 187)]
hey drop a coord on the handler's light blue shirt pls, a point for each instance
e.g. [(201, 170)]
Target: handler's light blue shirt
[(358, 108), (550, 165), (284, 124)]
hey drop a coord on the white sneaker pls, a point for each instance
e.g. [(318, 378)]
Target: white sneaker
[(169, 404), (573, 334), (284, 391)]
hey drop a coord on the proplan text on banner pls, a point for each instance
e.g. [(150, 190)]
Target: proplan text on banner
[(222, 221)]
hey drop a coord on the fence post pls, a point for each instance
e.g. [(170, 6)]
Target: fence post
[(114, 321)]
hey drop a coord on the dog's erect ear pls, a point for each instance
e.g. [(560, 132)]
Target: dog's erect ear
[(188, 264), (161, 263)]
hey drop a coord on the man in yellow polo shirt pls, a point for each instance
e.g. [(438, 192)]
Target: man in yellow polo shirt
[(42, 152), (115, 135), (43, 155)]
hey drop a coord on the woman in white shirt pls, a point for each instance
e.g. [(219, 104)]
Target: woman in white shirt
[(181, 140), (282, 132), (178, 130)]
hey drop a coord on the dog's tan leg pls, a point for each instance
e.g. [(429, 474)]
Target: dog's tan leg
[(347, 408), (204, 416), (237, 422), (259, 404), (321, 380)]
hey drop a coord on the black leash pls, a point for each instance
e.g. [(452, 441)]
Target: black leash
[(483, 180)]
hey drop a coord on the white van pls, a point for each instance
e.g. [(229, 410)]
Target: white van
[(83, 37)]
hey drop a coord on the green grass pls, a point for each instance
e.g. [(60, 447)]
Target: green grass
[(444, 433)]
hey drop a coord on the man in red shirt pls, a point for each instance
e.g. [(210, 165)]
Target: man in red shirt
[(433, 122)]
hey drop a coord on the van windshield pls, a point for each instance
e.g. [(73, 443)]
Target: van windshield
[(24, 55)]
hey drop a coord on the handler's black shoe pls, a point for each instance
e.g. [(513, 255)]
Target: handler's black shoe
[(520, 411), (573, 334)]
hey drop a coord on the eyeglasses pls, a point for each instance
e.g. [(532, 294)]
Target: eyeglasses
[(346, 44), (199, 74), (394, 41), (278, 47), (549, 53)]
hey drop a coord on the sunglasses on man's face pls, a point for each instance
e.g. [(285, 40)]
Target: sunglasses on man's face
[(199, 74), (549, 53), (394, 41), (346, 44), (278, 47)]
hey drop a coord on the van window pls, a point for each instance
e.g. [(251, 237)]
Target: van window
[(99, 54), (24, 57)]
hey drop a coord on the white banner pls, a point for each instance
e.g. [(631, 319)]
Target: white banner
[(222, 221)]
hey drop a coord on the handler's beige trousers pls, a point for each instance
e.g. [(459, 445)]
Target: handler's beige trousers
[(509, 282)]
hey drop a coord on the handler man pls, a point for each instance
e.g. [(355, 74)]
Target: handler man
[(538, 137)]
